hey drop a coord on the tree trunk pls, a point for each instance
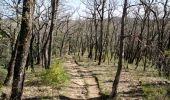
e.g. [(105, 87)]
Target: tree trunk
[(101, 33), (38, 49), (96, 31), (22, 49), (31, 53), (119, 69), (54, 4), (8, 79), (48, 45)]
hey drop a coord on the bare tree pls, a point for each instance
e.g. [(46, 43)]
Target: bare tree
[(119, 69), (12, 36), (22, 49), (101, 14), (47, 48)]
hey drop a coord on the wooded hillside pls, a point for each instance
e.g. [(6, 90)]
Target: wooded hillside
[(85, 49)]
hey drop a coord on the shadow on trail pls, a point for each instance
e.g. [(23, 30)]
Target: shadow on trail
[(133, 93), (61, 97), (41, 98), (34, 83), (67, 98)]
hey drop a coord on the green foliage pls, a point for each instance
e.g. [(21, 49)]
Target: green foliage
[(155, 92), (56, 75), (167, 52), (106, 92), (3, 73), (169, 78), (5, 52)]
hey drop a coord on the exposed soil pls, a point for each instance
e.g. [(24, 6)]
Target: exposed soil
[(83, 85), (92, 82), (87, 72)]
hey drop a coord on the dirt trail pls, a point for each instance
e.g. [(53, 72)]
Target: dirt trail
[(83, 85)]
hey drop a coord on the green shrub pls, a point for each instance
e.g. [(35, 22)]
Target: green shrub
[(3, 73), (153, 92), (56, 75), (167, 52)]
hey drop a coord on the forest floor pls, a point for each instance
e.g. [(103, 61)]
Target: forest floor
[(83, 85), (89, 81), (93, 82)]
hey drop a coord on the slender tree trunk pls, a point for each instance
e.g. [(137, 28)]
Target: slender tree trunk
[(22, 49), (101, 33), (107, 35), (31, 53), (62, 43), (54, 4), (30, 58), (47, 48), (96, 31), (90, 55), (38, 49), (8, 79), (119, 69)]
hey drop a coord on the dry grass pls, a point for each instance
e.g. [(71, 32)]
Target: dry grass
[(130, 86)]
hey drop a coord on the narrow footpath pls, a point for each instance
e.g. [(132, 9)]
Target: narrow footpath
[(83, 85)]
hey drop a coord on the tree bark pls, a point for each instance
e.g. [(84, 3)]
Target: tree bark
[(119, 69), (54, 4), (8, 79), (101, 32), (22, 49), (90, 55), (96, 30), (38, 49)]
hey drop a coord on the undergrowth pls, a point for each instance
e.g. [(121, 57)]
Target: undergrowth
[(56, 75), (3, 73), (155, 92)]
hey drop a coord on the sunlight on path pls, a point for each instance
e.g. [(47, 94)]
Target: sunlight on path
[(82, 85)]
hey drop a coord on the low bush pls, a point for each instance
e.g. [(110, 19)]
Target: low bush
[(56, 75)]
